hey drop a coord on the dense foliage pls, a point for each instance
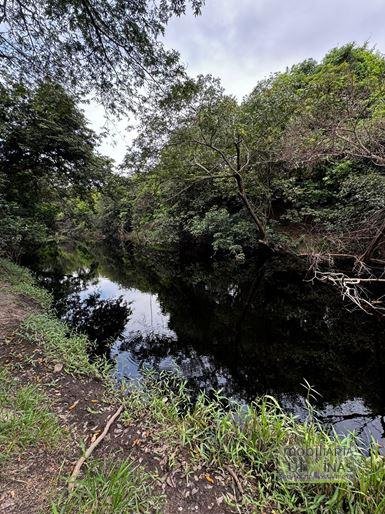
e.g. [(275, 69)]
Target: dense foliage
[(108, 48), (302, 155), (49, 168), (297, 164)]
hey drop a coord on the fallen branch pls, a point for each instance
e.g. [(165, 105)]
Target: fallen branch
[(351, 288), (373, 244), (235, 478), (90, 449), (353, 260)]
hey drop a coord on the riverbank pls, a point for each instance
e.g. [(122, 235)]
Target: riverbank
[(161, 455)]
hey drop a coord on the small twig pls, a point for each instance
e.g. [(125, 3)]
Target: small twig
[(90, 449), (235, 478)]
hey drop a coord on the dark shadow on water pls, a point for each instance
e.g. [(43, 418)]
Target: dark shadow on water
[(248, 328)]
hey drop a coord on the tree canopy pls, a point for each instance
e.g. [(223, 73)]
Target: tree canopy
[(48, 161), (305, 149), (298, 163), (108, 48)]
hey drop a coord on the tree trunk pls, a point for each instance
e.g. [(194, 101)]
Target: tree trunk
[(243, 196)]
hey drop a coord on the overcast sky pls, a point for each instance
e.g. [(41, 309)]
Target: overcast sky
[(243, 41)]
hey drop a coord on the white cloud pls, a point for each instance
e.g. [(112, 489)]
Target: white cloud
[(243, 41)]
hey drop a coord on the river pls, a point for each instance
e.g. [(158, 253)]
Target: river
[(249, 329)]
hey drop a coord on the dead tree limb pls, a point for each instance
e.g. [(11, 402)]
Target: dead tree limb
[(90, 449), (373, 244), (352, 290)]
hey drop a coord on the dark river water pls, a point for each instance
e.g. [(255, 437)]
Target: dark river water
[(249, 329)]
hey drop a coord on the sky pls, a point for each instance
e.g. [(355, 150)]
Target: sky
[(244, 41)]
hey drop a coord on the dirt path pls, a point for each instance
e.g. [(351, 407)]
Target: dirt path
[(29, 482)]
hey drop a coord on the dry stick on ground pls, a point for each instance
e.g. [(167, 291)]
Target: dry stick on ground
[(235, 478), (90, 449)]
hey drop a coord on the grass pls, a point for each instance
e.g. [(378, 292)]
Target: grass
[(111, 488), (22, 282), (25, 418), (58, 342), (62, 345), (252, 440)]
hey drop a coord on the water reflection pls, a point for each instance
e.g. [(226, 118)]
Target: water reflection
[(102, 319), (249, 329)]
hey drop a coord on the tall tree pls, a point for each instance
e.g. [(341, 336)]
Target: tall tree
[(203, 137), (48, 158), (343, 118), (342, 110)]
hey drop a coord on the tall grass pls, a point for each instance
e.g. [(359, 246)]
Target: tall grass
[(252, 439), (22, 282), (59, 343), (62, 345)]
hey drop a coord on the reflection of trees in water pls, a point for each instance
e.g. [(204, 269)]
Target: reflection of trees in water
[(63, 285), (159, 352), (363, 421), (103, 320), (261, 327), (251, 328)]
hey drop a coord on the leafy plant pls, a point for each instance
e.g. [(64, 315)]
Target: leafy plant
[(111, 488), (25, 418), (252, 438)]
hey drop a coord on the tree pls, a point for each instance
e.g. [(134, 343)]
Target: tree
[(343, 109), (301, 154), (343, 119), (204, 140), (106, 47), (48, 159), (114, 208)]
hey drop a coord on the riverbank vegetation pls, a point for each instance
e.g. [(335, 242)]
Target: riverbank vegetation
[(230, 451), (296, 167), (25, 418), (45, 372), (297, 164), (49, 171), (278, 169)]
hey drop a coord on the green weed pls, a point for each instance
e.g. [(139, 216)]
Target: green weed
[(111, 488), (25, 418), (22, 282), (251, 439), (62, 345)]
